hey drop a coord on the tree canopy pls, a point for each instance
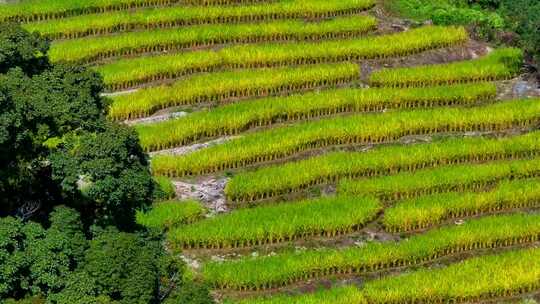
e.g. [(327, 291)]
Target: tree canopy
[(70, 183), (56, 144)]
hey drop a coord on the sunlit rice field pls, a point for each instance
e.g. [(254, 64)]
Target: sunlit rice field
[(312, 151)]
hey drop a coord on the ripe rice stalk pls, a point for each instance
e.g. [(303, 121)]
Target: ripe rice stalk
[(427, 211), (323, 217), (235, 118), (91, 49), (286, 268), (42, 10), (378, 47), (460, 178), (168, 214), (500, 64), (274, 181), (279, 143), (131, 72), (478, 279), (177, 16), (226, 86)]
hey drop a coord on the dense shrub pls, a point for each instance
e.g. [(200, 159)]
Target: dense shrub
[(523, 17), (489, 18)]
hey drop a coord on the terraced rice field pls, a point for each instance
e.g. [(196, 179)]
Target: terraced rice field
[(320, 151)]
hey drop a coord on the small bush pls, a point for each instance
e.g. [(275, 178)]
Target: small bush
[(190, 292)]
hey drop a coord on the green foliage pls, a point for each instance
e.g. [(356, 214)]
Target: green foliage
[(96, 166), (123, 266), (488, 17), (47, 103), (165, 215), (120, 268), (523, 17), (18, 48), (190, 292), (28, 300), (445, 12), (81, 288), (106, 171), (38, 261), (57, 148)]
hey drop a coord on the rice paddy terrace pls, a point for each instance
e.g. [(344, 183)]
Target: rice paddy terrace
[(328, 152)]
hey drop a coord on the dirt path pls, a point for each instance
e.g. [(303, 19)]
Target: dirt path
[(192, 148)]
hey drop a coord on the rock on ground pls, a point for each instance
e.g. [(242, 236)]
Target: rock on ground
[(209, 191)]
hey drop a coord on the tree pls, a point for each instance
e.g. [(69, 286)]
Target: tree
[(18, 48), (107, 172), (119, 267), (523, 17), (56, 149), (56, 144), (81, 288), (38, 261), (190, 292), (36, 110)]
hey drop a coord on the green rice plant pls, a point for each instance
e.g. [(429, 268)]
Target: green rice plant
[(427, 211), (130, 72), (268, 182), (237, 117), (346, 294), (90, 49), (274, 271), (175, 16), (40, 10), (500, 64), (459, 178), (165, 189), (127, 73), (170, 214), (323, 217), (279, 143), (475, 280), (505, 275), (378, 47), (226, 86)]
